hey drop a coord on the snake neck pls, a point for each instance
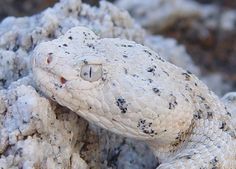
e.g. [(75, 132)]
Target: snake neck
[(206, 143), (210, 119), (166, 151)]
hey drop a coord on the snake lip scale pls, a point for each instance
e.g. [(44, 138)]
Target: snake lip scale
[(130, 90)]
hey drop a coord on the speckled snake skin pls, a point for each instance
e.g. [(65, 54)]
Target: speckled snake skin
[(130, 90)]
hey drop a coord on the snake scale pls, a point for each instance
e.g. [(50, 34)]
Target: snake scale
[(130, 90)]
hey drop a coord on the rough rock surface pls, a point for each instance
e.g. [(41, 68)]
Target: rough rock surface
[(35, 134)]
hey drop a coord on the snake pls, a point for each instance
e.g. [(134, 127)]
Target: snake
[(130, 90)]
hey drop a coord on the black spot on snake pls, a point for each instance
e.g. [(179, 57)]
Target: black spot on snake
[(187, 76), (156, 91), (146, 127), (223, 126), (198, 115), (150, 69), (209, 115), (214, 163), (121, 103), (146, 51)]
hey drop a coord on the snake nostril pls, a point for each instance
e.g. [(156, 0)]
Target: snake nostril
[(49, 58), (63, 80)]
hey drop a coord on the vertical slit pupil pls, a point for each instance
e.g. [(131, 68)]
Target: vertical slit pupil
[(90, 72)]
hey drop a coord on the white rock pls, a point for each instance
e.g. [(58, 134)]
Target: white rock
[(33, 134)]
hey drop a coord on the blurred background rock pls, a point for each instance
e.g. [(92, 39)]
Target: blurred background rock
[(28, 7), (22, 7)]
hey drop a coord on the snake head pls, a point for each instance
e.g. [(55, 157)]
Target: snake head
[(69, 61), (116, 84)]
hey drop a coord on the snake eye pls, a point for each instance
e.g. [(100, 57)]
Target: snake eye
[(91, 72)]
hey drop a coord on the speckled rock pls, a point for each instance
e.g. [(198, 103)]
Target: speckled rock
[(35, 135)]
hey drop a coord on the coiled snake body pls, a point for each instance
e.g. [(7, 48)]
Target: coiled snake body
[(128, 89)]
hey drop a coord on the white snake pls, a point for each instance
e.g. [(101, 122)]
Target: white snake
[(130, 90)]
